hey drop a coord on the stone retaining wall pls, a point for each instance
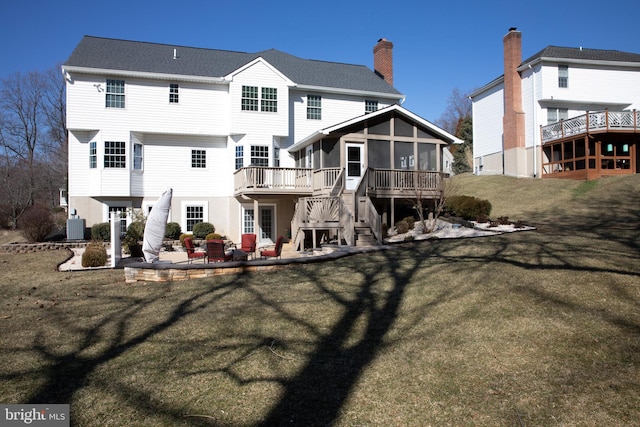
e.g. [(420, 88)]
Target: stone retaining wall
[(23, 248), (137, 274)]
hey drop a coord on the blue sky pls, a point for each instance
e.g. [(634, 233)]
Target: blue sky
[(438, 46)]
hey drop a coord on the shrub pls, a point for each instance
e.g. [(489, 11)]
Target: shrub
[(135, 232), (213, 236), (504, 220), (172, 231), (201, 229), (95, 255), (184, 236), (410, 221), (101, 232), (402, 227), (467, 207), (36, 223), (481, 219)]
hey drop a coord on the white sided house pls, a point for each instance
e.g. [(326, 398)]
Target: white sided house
[(264, 143), (563, 113)]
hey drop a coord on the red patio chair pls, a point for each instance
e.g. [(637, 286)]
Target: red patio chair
[(248, 244), (276, 252), (191, 251), (216, 252)]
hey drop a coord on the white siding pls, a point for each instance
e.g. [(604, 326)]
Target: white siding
[(80, 176), (167, 163), (488, 112), (261, 123), (202, 109), (588, 85)]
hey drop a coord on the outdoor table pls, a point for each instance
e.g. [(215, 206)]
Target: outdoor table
[(239, 255)]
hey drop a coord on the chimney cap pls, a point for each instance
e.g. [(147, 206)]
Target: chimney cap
[(513, 29)]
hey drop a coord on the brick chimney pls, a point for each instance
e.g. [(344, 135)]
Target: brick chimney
[(513, 120), (383, 60)]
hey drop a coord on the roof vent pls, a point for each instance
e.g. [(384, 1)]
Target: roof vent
[(175, 53)]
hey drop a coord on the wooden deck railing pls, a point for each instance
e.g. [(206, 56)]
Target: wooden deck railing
[(403, 180), (260, 179), (329, 181), (592, 122)]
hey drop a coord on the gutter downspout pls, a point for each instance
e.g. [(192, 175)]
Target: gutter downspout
[(535, 120)]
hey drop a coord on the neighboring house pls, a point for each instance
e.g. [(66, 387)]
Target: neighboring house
[(244, 139), (564, 112)]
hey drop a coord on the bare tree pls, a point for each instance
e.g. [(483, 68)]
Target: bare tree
[(33, 140), (432, 201), (457, 120), (458, 108), (56, 143)]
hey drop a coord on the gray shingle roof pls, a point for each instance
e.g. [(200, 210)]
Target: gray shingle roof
[(113, 54), (558, 52)]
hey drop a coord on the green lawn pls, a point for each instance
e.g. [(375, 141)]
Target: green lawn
[(530, 328)]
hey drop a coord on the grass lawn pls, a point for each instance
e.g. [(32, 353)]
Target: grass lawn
[(533, 328)]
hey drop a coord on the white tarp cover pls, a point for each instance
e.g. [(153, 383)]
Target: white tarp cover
[(155, 227)]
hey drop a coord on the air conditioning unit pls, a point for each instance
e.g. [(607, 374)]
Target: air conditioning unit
[(75, 229)]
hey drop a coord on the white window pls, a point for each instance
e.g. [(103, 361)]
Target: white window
[(93, 155), (563, 76), (115, 94), (269, 101), (239, 156), (198, 159), (259, 155), (115, 155), (173, 93), (554, 115), (193, 216), (137, 156), (314, 107), (249, 98), (370, 106), (248, 221)]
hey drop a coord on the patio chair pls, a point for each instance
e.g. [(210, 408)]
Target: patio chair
[(191, 251), (276, 252), (216, 252), (248, 244)]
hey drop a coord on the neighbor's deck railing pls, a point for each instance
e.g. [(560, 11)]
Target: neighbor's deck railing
[(592, 122)]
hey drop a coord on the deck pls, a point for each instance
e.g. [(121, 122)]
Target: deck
[(592, 122), (254, 180), (591, 145)]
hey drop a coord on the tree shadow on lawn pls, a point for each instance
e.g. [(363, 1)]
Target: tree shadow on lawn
[(316, 394)]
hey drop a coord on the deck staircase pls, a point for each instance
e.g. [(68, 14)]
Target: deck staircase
[(364, 235)]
